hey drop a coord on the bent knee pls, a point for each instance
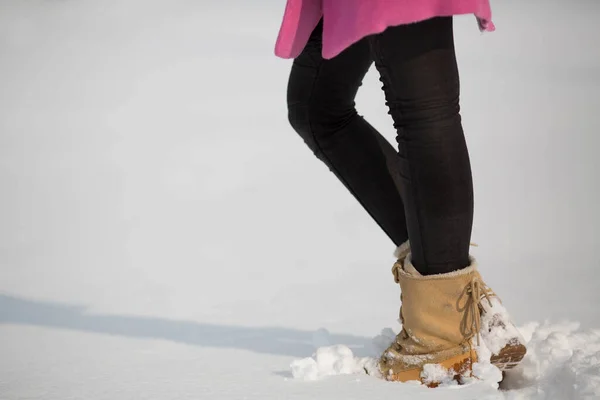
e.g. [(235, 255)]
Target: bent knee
[(319, 121), (298, 118), (428, 112)]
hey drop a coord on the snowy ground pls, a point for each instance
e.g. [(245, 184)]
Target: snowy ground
[(165, 235)]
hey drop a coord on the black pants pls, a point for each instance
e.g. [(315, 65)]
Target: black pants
[(423, 191)]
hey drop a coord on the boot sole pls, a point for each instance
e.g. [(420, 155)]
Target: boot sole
[(509, 357), (461, 364)]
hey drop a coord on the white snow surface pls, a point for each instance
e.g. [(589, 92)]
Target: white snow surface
[(165, 234), (563, 362)]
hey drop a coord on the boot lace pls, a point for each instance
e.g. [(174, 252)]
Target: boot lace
[(396, 268), (475, 292)]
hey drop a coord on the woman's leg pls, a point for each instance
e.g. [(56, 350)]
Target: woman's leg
[(321, 108), (419, 72)]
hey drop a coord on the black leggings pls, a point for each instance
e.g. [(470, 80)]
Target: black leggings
[(423, 191)]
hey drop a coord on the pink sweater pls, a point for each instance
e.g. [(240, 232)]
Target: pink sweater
[(347, 21)]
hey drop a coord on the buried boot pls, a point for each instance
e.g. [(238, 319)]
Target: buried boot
[(439, 316), (498, 332)]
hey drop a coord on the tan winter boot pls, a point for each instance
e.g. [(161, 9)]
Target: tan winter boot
[(499, 333), (440, 316)]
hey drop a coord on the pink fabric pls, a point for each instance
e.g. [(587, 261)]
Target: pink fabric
[(347, 21)]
